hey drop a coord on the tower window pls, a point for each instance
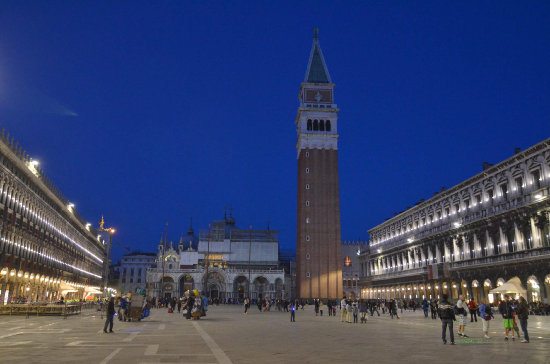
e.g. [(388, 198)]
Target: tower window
[(307, 203), (309, 127), (307, 186), (307, 170), (308, 274), (328, 125), (307, 154), (315, 125), (307, 220), (308, 256), (322, 125), (307, 238)]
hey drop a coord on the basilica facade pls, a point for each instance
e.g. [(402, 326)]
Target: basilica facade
[(224, 262), (470, 238)]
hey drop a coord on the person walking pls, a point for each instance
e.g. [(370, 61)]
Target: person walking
[(472, 306), (110, 315), (447, 316), (363, 311), (433, 308), (425, 308), (507, 311), (329, 307), (485, 315), (461, 309), (522, 312), (321, 307), (393, 309), (293, 312), (343, 311), (355, 309), (349, 310), (316, 303)]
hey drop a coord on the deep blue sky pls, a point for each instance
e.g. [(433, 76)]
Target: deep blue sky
[(149, 112)]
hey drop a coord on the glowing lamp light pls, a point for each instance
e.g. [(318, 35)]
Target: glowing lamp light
[(28, 289), (88, 226), (19, 274), (70, 206), (32, 276), (538, 196), (26, 275), (12, 273), (4, 271)]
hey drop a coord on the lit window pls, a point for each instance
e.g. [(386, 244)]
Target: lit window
[(347, 261)]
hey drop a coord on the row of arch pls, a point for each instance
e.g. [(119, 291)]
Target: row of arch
[(259, 287), (318, 125), (537, 290)]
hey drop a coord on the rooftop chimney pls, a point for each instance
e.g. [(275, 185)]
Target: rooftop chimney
[(486, 165)]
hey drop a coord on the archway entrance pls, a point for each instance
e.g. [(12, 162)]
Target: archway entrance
[(261, 286), (240, 287), (187, 283), (167, 287), (214, 285)]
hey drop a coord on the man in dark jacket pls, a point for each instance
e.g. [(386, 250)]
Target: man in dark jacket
[(522, 312), (447, 316), (507, 310), (110, 315)]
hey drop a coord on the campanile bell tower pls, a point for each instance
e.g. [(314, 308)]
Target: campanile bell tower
[(318, 239)]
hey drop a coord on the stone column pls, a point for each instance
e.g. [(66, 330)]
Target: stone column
[(536, 234)]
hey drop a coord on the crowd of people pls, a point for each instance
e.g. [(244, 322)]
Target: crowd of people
[(193, 305)]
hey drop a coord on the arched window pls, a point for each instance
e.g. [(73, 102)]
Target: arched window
[(328, 125), (309, 124), (322, 125), (315, 125)]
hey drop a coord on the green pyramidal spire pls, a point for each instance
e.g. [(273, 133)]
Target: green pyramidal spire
[(317, 71)]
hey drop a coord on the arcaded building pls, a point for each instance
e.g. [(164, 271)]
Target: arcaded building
[(318, 237), (470, 238), (47, 250)]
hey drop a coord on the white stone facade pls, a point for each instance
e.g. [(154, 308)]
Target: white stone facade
[(469, 238), (225, 263)]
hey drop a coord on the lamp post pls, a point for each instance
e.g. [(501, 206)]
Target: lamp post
[(111, 231)]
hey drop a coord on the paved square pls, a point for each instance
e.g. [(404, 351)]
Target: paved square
[(226, 335)]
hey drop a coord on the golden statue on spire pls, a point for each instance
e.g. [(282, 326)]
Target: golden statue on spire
[(101, 223)]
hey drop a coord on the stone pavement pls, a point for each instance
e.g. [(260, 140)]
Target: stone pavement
[(227, 336)]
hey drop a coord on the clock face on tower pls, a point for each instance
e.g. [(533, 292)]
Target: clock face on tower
[(318, 96)]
